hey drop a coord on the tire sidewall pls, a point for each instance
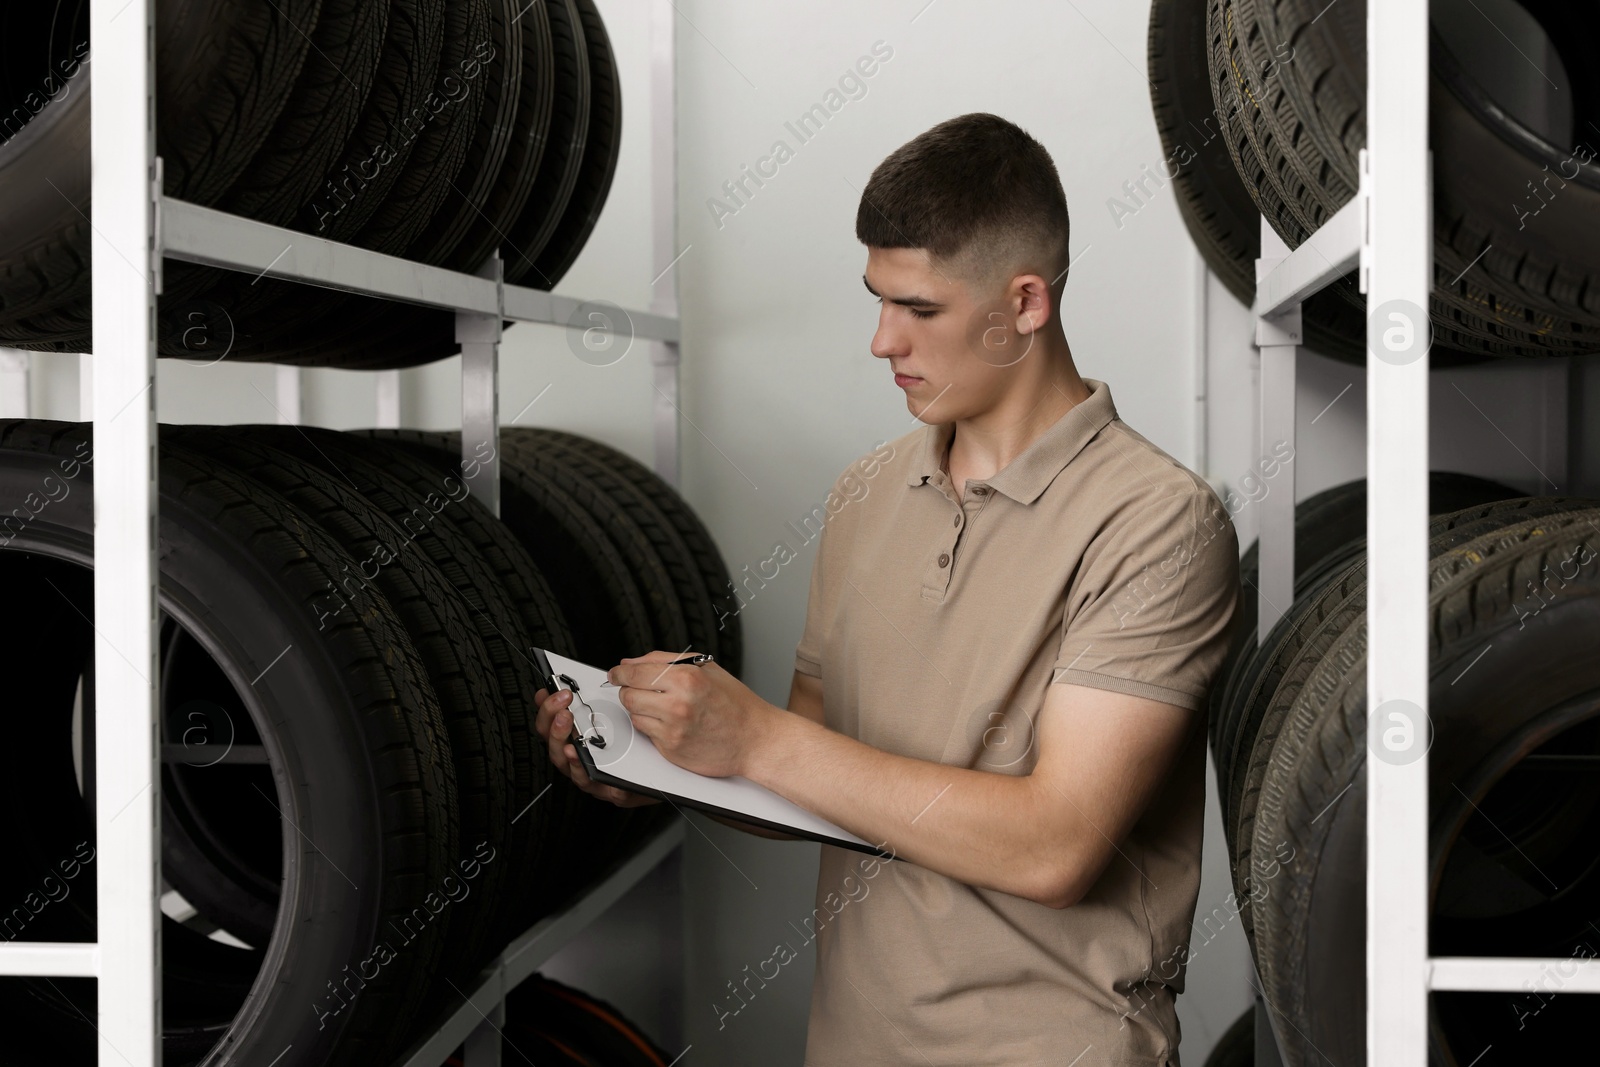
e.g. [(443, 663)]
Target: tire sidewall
[(215, 589)]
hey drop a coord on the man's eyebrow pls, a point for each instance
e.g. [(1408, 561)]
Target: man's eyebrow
[(903, 301)]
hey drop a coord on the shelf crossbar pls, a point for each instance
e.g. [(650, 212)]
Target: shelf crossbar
[(215, 238), (530, 951), (1326, 256), (1490, 974), (212, 238), (536, 305), (50, 959)]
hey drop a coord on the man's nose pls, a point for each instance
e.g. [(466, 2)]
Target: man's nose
[(886, 341)]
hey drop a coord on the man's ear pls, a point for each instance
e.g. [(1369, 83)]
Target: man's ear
[(1030, 295)]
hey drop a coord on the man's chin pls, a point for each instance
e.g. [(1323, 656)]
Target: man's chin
[(922, 401)]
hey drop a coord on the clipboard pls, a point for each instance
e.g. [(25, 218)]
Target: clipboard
[(615, 753)]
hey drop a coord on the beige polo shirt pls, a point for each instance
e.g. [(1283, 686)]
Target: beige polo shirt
[(936, 625)]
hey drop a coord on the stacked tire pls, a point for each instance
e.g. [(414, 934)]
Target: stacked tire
[(1514, 700), (357, 811), (446, 133), (1237, 1046), (1261, 109)]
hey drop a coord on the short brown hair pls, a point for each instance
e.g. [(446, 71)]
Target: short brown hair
[(979, 194)]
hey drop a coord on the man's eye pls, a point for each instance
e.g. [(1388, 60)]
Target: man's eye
[(922, 314)]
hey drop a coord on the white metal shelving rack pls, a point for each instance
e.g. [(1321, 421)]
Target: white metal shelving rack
[(135, 227), (1386, 231)]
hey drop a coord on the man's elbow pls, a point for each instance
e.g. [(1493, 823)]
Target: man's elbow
[(1062, 899), (1061, 888)]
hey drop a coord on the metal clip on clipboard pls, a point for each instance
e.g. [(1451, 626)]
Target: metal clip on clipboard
[(632, 763), (550, 679)]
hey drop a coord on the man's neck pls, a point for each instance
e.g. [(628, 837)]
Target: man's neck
[(980, 447)]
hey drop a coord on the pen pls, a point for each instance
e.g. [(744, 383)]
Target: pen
[(692, 661)]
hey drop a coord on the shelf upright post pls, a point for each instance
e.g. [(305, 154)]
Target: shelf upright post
[(1278, 339), (664, 355), (125, 189), (479, 337), (1397, 272)]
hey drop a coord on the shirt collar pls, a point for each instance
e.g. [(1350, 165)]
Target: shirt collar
[(1026, 476)]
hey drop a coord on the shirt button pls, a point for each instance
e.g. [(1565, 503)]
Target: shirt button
[(958, 520), (944, 559), (980, 490)]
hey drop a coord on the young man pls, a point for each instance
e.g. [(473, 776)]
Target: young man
[(1006, 654)]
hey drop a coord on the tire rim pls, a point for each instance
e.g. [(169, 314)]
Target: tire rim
[(190, 945), (1518, 874)]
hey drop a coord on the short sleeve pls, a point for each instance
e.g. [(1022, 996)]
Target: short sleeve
[(1151, 610)]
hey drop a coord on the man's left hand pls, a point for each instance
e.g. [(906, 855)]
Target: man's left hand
[(700, 717)]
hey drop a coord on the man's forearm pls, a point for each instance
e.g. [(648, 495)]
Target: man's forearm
[(981, 828)]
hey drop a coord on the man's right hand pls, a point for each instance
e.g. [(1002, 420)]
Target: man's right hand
[(554, 723)]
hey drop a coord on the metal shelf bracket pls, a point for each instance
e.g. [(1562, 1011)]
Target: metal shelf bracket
[(1278, 337), (479, 337)]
